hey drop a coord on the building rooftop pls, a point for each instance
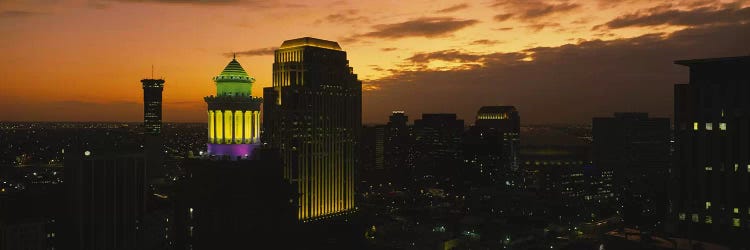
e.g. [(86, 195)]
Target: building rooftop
[(717, 60), (309, 41), (233, 69)]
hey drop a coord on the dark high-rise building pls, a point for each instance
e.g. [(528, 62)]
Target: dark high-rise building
[(152, 89), (105, 199), (635, 149), (313, 115), (491, 146), (232, 203), (397, 141), (437, 144), (152, 109), (709, 198), (233, 114)]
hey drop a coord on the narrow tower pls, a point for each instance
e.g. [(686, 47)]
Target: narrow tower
[(233, 114), (152, 89)]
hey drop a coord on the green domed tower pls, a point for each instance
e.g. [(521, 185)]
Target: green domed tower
[(233, 114)]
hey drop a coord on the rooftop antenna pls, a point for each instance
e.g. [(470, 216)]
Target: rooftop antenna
[(234, 55)]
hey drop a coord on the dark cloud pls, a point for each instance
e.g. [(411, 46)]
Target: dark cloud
[(253, 3), (502, 17), (695, 17), (569, 83), (206, 2), (254, 52), (547, 9), (421, 27), (345, 17), (536, 27), (532, 9), (485, 42), (444, 55), (454, 8), (17, 13), (388, 49)]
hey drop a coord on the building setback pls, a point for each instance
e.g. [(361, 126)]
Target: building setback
[(313, 115), (710, 196)]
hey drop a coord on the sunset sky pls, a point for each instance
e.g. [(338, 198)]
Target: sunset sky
[(556, 61)]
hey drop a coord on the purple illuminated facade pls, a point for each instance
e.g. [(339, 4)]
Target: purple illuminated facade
[(232, 150)]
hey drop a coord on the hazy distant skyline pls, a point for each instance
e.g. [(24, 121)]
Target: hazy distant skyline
[(556, 61)]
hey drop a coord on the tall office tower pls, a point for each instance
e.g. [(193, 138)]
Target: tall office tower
[(635, 149), (397, 141), (153, 143), (492, 144), (233, 114), (712, 155), (152, 89), (438, 145), (313, 115), (105, 198)]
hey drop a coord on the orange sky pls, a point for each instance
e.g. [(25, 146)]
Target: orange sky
[(82, 60)]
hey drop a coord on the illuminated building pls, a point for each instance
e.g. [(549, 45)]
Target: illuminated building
[(233, 114), (635, 149), (152, 90), (313, 115), (711, 170)]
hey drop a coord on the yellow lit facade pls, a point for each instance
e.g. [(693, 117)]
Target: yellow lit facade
[(233, 127), (317, 126)]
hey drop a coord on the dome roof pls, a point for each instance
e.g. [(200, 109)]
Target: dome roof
[(234, 72)]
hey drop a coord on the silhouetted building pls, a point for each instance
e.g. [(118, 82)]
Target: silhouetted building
[(558, 167), (712, 162), (635, 149), (105, 199), (398, 140), (152, 110), (223, 204), (233, 114), (313, 114), (152, 89), (491, 146), (437, 144)]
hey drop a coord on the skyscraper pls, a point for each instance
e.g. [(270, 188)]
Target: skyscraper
[(313, 115), (437, 144), (152, 109), (152, 89), (709, 198), (635, 148), (233, 114), (492, 144)]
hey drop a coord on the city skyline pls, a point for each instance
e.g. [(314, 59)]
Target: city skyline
[(517, 53)]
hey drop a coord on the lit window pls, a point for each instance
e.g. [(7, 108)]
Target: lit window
[(722, 126), (736, 167), (695, 126), (682, 216), (736, 222), (709, 220), (709, 126), (748, 168), (736, 210), (695, 218), (709, 168), (708, 204)]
